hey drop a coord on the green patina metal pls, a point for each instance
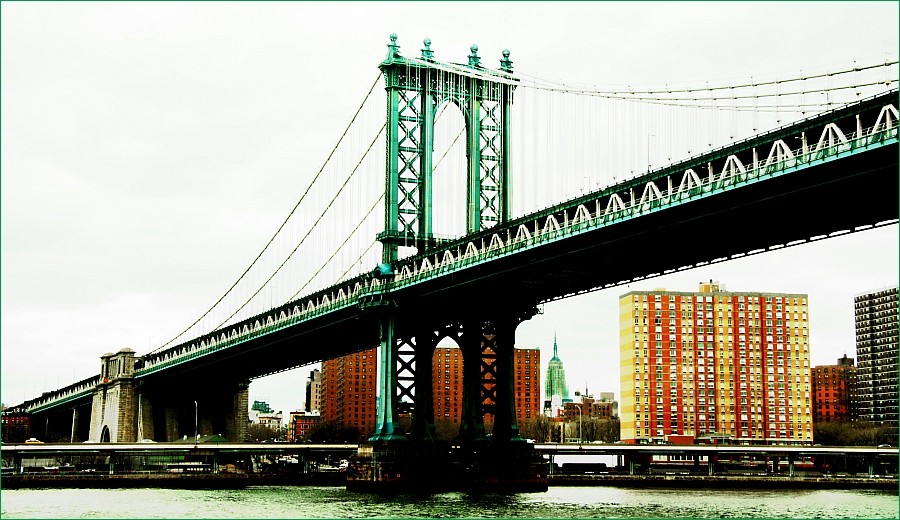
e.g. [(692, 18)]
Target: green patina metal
[(415, 89)]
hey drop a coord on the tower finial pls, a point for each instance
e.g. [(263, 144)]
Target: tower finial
[(474, 59), (393, 48), (554, 344), (427, 53), (506, 63)]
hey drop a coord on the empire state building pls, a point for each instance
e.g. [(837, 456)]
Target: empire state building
[(556, 388)]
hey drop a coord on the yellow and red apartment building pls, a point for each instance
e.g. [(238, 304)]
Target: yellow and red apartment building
[(350, 387), (715, 363)]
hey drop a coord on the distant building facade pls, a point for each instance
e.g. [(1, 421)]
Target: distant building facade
[(350, 390), (300, 423), (313, 391), (447, 383), (586, 407), (528, 383), (834, 391), (556, 390), (732, 364), (876, 355)]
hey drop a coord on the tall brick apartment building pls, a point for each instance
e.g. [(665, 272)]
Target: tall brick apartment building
[(834, 391), (350, 387)]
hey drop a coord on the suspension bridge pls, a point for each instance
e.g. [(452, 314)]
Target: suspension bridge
[(484, 193)]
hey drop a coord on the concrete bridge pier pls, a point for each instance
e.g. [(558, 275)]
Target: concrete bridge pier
[(125, 410), (113, 407)]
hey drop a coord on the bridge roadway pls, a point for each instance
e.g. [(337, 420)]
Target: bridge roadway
[(791, 185)]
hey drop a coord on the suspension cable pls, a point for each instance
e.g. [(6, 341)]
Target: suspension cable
[(538, 82), (316, 223), (293, 210), (336, 251)]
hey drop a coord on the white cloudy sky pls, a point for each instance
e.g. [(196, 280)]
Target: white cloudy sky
[(150, 149)]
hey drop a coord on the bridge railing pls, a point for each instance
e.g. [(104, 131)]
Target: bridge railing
[(340, 296), (58, 397), (614, 204), (609, 207)]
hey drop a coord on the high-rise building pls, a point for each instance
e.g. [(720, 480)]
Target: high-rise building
[(313, 391), (556, 389), (833, 388), (528, 383), (350, 388), (447, 383), (876, 355), (715, 363)]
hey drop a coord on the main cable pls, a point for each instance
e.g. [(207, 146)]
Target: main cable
[(286, 220)]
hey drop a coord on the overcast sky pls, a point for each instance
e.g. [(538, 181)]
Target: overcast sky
[(150, 149)]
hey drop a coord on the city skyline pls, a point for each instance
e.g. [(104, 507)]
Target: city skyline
[(132, 197)]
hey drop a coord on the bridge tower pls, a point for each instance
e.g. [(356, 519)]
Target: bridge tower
[(113, 409), (416, 88), (484, 331)]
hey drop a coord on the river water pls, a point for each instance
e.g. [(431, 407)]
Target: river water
[(336, 502)]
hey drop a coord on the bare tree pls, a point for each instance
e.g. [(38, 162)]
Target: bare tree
[(261, 432), (537, 428)]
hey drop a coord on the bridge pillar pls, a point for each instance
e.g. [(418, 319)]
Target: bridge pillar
[(471, 423), (145, 417), (237, 417), (505, 427), (75, 421), (171, 421), (423, 414), (113, 410), (385, 402)]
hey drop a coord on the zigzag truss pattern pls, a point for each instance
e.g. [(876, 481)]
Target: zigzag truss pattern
[(603, 208)]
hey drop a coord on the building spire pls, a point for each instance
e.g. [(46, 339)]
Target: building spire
[(554, 345)]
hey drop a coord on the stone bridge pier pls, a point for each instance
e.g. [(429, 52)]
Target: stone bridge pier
[(125, 409)]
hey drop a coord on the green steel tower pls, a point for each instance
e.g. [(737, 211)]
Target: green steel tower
[(416, 88)]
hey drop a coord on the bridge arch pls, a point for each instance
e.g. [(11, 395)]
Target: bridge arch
[(449, 168), (104, 434)]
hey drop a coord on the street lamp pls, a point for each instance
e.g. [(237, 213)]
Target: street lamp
[(580, 440), (196, 415)]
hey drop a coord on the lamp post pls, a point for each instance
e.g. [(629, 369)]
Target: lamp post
[(196, 430), (580, 440)]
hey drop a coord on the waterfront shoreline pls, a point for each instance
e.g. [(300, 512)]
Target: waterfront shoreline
[(694, 481), (240, 481)]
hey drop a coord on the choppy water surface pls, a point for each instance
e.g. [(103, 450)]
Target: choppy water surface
[(336, 502)]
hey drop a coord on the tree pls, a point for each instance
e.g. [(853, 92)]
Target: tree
[(537, 428), (261, 432), (856, 433), (328, 432), (608, 430)]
